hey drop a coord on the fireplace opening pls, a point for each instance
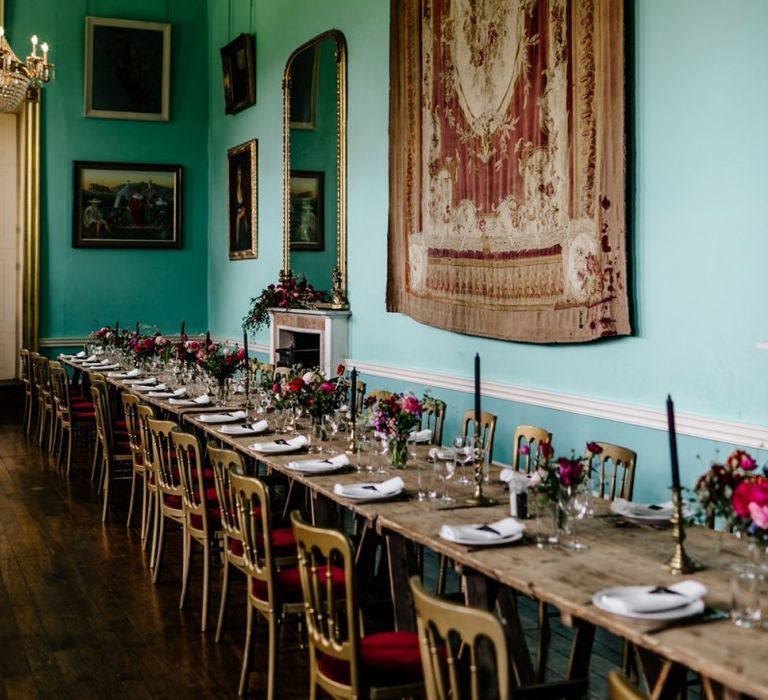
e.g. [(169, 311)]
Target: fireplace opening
[(298, 348)]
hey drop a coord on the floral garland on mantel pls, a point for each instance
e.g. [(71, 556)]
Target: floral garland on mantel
[(289, 293)]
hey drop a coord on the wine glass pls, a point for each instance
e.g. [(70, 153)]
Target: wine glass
[(460, 458), (575, 503), (444, 469), (379, 455), (264, 400), (331, 427)]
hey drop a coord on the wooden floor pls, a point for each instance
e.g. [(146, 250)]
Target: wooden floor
[(80, 617)]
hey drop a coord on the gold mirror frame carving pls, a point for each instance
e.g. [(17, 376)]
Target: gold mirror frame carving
[(339, 275)]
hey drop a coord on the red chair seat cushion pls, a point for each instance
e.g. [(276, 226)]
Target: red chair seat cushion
[(214, 520), (174, 502), (83, 416), (283, 543), (288, 585), (82, 405), (387, 659)]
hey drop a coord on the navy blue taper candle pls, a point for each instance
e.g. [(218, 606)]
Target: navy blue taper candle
[(477, 387), (673, 443), (353, 394)]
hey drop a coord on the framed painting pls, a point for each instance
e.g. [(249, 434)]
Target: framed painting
[(237, 59), (126, 205), (127, 69), (242, 188), (307, 227), (303, 88)]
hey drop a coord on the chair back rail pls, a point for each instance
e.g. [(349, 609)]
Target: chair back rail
[(532, 437), (487, 429)]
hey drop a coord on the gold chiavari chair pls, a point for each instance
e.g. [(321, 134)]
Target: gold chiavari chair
[(115, 456), (280, 373), (71, 415), (264, 372), (343, 661), (619, 688), (487, 429), (202, 511), (273, 591), (35, 408), (26, 378), (360, 388), (531, 438), (169, 502), (131, 404), (615, 467), (117, 427), (44, 397), (433, 418), (144, 414)]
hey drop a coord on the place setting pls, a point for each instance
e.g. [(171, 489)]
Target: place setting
[(253, 428), (280, 445), (501, 532), (371, 491), (230, 417), (309, 467), (680, 600)]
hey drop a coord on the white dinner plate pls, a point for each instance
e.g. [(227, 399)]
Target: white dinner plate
[(313, 467), (240, 430), (692, 608), (221, 417), (483, 543), (370, 495), (653, 513)]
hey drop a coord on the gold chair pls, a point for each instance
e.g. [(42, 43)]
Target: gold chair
[(70, 416), (264, 372), (273, 592), (433, 418), (26, 378), (448, 637), (169, 501), (33, 380), (531, 437), (360, 388), (138, 473), (619, 688), (618, 481), (144, 414), (203, 515), (343, 661), (379, 394), (281, 372), (487, 429), (44, 397), (114, 455)]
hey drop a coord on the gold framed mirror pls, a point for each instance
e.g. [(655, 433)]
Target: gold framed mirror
[(314, 165)]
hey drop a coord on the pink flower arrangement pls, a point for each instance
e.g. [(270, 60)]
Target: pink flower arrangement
[(290, 293), (395, 416), (312, 391), (220, 361), (554, 479)]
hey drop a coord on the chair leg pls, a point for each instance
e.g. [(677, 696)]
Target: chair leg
[(248, 649), (224, 596), (41, 430), (442, 575), (69, 450), (52, 435), (144, 498), (158, 558), (206, 583), (187, 560), (106, 480), (272, 662), (133, 497), (96, 458), (151, 520)]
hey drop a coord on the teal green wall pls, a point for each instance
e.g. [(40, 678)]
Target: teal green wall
[(80, 288), (698, 225)]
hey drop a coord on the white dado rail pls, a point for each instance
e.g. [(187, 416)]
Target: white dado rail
[(330, 326)]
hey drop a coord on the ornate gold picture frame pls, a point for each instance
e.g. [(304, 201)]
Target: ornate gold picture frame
[(243, 201)]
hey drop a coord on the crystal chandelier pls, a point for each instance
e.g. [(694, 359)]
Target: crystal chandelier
[(16, 77)]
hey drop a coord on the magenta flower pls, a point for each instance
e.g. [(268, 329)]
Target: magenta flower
[(570, 471), (525, 449)]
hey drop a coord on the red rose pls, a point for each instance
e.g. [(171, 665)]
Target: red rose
[(594, 448), (241, 354), (296, 384), (340, 370), (328, 387), (545, 450), (742, 496)]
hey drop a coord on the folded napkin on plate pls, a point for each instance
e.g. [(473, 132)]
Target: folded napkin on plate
[(147, 381), (651, 600), (104, 368), (203, 400), (621, 506), (421, 435), (222, 417), (308, 465), (390, 487), (80, 355), (443, 453), (500, 530), (92, 358), (175, 394), (149, 387), (280, 445), (246, 429), (126, 375)]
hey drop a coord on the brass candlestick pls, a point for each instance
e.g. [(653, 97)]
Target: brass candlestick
[(478, 498), (248, 403), (352, 446), (679, 563)]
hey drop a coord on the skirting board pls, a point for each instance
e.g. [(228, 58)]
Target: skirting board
[(729, 432)]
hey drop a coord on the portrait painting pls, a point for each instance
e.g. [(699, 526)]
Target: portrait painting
[(307, 226), (237, 59), (242, 178), (126, 205), (127, 69)]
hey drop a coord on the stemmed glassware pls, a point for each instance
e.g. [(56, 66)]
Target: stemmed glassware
[(444, 469), (331, 427), (575, 503), (460, 459)]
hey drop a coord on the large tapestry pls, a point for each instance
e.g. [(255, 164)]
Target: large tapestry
[(507, 168)]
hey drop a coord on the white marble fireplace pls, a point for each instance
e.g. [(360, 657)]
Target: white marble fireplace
[(296, 326)]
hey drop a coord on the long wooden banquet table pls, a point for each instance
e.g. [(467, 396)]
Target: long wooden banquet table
[(731, 660)]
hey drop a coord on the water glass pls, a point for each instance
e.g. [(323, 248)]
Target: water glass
[(444, 469), (425, 476), (748, 604), (363, 454), (460, 459), (280, 420)]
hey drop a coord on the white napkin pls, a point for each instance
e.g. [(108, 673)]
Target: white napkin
[(80, 355), (149, 387), (92, 358), (104, 367), (310, 465), (421, 435), (136, 372), (390, 487), (258, 427), (441, 453), (282, 446), (175, 394), (661, 511), (500, 530), (203, 400), (222, 417), (652, 600), (147, 381)]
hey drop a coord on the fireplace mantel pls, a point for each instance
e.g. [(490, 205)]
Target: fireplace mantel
[(331, 325)]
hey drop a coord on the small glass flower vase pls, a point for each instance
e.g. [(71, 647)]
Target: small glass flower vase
[(549, 520), (398, 453), (222, 392)]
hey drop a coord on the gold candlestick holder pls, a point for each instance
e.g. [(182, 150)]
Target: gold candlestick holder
[(679, 563), (352, 446), (478, 498), (248, 403)]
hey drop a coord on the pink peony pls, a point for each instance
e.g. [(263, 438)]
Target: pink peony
[(748, 462), (570, 471), (759, 515), (412, 405), (328, 387)]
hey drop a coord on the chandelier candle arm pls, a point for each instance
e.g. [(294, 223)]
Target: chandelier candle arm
[(16, 77)]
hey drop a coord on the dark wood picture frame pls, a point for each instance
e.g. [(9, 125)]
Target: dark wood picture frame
[(307, 190), (127, 69), (238, 64), (243, 200), (126, 205)]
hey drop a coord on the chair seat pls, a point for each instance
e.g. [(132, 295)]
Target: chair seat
[(173, 502), (288, 585), (82, 417), (386, 659), (214, 520), (283, 543)]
